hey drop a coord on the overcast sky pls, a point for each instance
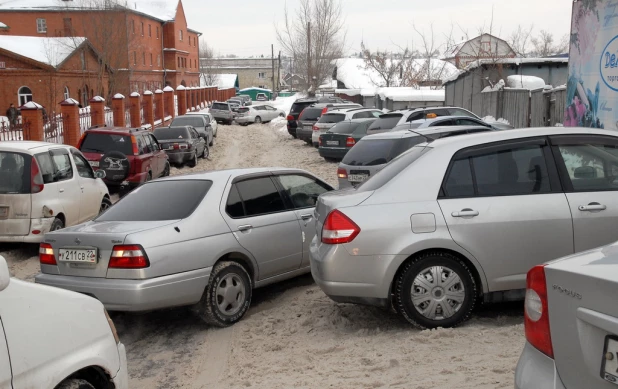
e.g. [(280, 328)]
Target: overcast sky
[(247, 27)]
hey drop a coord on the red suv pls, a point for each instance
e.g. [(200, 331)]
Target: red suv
[(128, 156)]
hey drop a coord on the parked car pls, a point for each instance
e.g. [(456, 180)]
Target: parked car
[(455, 121), (129, 157), (209, 119), (369, 155), (261, 113), (570, 323), (336, 142), (466, 217), (45, 187), (234, 106), (183, 145), (222, 112), (262, 97), (83, 352), (306, 120), (413, 114), (140, 256), (385, 122), (246, 98), (199, 124), (297, 107), (330, 118)]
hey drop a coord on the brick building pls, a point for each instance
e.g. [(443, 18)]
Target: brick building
[(146, 44), (48, 70)]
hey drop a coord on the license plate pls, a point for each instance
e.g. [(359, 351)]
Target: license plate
[(94, 163), (78, 255), (609, 366), (332, 143), (4, 212), (357, 177)]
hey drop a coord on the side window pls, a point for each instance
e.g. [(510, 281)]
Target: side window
[(154, 142), (260, 196), (360, 115), (234, 206), (141, 145), (416, 116), (83, 167), (64, 169), (47, 167), (459, 182), (441, 123), (460, 112), (148, 144), (376, 114), (467, 122), (302, 190), (591, 166), (438, 112)]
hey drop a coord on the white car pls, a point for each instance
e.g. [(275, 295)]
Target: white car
[(261, 113), (209, 119), (53, 338), (45, 187)]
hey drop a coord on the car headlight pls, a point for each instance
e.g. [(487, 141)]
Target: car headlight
[(112, 326)]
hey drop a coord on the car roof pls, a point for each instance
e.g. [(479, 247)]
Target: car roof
[(389, 135), (29, 146), (442, 118), (305, 100), (116, 130), (197, 113), (233, 173), (357, 109)]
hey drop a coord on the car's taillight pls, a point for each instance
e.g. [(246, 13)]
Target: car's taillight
[(320, 141), (128, 257), (316, 128), (176, 146), (46, 254), (36, 179), (324, 110), (184, 146), (338, 229), (342, 173), (134, 143), (536, 315), (290, 118), (350, 142)]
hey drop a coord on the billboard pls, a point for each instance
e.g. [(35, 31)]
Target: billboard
[(592, 88)]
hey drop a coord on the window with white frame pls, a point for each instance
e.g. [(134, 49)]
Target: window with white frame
[(180, 34), (24, 95), (41, 25), (66, 93)]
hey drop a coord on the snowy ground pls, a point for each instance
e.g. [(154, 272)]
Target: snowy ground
[(294, 336)]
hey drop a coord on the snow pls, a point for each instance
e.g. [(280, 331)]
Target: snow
[(167, 118), (98, 98), (511, 61), (223, 81), (31, 105), (411, 94), (2, 25), (256, 88), (284, 104), (180, 87), (134, 94), (525, 82), (498, 86), (491, 119), (70, 101), (168, 89), (147, 93), (49, 51), (118, 96), (158, 91)]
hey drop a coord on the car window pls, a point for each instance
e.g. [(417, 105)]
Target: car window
[(310, 114), (461, 112), (221, 106), (159, 200), (591, 166), (384, 123), (362, 115), (148, 143), (194, 133), (234, 206), (438, 112), (260, 196), (83, 167), (440, 123), (14, 173), (46, 166), (154, 143), (102, 143), (302, 190), (467, 122), (243, 110), (194, 121), (344, 128), (372, 152), (298, 107), (416, 116), (168, 133), (141, 144), (269, 108), (393, 169), (459, 180), (332, 118), (62, 162), (376, 114)]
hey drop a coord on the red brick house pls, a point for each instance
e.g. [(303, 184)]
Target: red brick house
[(146, 44), (48, 70)]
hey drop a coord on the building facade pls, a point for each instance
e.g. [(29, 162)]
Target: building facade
[(252, 72), (485, 46), (145, 47)]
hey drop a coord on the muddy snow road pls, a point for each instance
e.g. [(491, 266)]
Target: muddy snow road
[(294, 336)]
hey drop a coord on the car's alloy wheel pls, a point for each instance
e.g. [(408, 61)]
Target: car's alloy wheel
[(258, 120), (75, 384), (206, 152), (193, 161), (436, 290), (166, 171), (57, 224), (105, 204)]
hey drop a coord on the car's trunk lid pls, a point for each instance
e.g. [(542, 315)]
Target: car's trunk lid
[(15, 197), (15, 210), (583, 315), (336, 200), (330, 139)]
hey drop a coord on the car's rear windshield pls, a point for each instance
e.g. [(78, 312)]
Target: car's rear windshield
[(14, 173), (159, 200), (298, 107), (188, 121), (243, 110), (391, 170), (96, 142), (344, 127), (384, 122), (166, 133), (310, 114), (371, 152), (332, 118), (222, 106)]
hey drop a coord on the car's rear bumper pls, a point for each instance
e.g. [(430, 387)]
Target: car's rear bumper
[(136, 295), (536, 370), (333, 152), (245, 119), (292, 130), (303, 134), (43, 225), (179, 157)]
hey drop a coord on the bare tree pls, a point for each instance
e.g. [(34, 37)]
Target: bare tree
[(544, 44), (429, 69), (314, 36), (208, 71), (520, 40), (387, 66)]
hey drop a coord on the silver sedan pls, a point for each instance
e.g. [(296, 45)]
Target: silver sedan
[(204, 240), (258, 113)]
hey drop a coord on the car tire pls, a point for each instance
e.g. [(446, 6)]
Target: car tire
[(328, 159), (425, 314), (166, 171), (149, 177), (75, 384), (57, 224), (206, 152), (226, 275), (105, 204), (193, 161), (258, 120), (294, 136)]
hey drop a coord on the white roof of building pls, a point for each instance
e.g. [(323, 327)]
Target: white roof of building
[(163, 10), (412, 94), (511, 61), (49, 51), (223, 81)]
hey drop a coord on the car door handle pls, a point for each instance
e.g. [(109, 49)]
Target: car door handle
[(592, 207), (306, 217), (246, 227), (465, 213), (61, 190)]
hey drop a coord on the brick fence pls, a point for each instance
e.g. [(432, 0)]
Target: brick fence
[(150, 110)]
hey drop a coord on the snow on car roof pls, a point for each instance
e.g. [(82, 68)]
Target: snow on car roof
[(50, 51)]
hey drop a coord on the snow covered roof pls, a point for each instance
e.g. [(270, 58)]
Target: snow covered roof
[(31, 105), (256, 88), (98, 98), (164, 10), (504, 61), (2, 25), (118, 96), (411, 94), (168, 89), (223, 81), (525, 82), (48, 51)]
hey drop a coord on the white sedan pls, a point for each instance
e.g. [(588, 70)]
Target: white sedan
[(262, 113), (209, 119), (53, 338)]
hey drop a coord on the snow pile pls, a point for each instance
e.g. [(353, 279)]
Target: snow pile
[(498, 86), (2, 25), (491, 119), (411, 94), (525, 82), (284, 104), (223, 81), (49, 51)]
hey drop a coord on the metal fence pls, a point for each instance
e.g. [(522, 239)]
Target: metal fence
[(524, 108), (84, 120), (127, 117), (13, 131), (109, 117), (54, 128)]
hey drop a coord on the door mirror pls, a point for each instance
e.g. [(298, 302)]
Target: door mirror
[(100, 174), (5, 276)]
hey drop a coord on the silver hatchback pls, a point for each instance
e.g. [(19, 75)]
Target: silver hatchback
[(464, 218), (203, 240)]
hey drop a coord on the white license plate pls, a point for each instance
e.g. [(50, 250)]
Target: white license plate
[(4, 212), (332, 143), (609, 369), (78, 255), (94, 163), (357, 177)]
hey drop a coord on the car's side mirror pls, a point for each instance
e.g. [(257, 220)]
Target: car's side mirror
[(100, 174), (5, 275)]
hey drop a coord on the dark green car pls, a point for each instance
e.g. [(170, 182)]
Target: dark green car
[(336, 142)]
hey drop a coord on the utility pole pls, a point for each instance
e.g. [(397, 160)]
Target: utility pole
[(279, 70), (272, 59), (309, 54)]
